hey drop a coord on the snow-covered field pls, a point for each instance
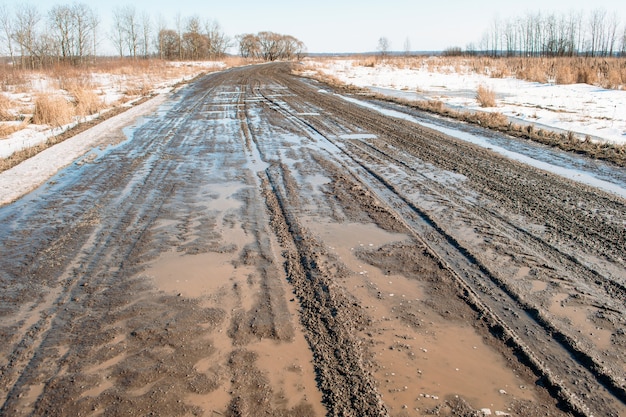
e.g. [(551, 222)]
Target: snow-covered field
[(580, 108)]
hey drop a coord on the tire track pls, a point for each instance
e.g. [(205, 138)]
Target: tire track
[(551, 357)]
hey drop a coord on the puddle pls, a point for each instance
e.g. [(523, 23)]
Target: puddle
[(214, 403), (442, 360), (346, 237), (421, 363), (358, 136), (194, 275), (571, 167), (288, 368), (578, 315), (538, 286), (224, 195)]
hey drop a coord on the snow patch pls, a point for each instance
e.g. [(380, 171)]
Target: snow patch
[(580, 108)]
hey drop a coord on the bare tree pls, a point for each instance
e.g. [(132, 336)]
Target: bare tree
[(179, 31), (537, 34), (161, 27), (495, 36), (383, 46), (131, 30), (249, 46), (195, 44), (7, 30), (268, 42), (510, 37), (27, 18), (596, 30), (146, 30), (218, 41), (407, 46), (126, 31), (94, 23), (270, 46), (85, 24), (611, 34), (117, 31), (63, 30)]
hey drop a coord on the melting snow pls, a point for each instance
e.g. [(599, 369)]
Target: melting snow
[(580, 108)]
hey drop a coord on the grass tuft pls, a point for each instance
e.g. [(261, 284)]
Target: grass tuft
[(486, 96), (86, 101), (5, 109), (52, 110)]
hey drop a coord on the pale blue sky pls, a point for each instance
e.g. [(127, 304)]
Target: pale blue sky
[(350, 25)]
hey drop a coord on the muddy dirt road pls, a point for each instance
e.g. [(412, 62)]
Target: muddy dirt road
[(261, 246)]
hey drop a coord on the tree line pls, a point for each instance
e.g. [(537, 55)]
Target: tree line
[(596, 34), (33, 39), (270, 46)]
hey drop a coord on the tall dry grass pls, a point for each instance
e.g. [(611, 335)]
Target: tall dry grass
[(602, 72), (52, 110), (10, 78), (6, 107), (485, 96), (86, 101)]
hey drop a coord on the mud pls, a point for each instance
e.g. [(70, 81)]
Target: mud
[(264, 247)]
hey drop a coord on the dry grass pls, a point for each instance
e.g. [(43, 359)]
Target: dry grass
[(70, 77), (52, 110), (86, 101), (7, 129), (6, 105), (10, 79), (19, 156), (486, 96), (565, 75), (138, 89), (602, 72)]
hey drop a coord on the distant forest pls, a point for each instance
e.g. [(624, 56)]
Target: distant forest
[(32, 38), (596, 34)]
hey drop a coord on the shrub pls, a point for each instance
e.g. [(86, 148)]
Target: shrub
[(52, 110), (485, 96)]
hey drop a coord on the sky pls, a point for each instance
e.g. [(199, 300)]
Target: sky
[(339, 26)]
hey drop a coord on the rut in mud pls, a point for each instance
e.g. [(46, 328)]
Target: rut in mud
[(261, 246)]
